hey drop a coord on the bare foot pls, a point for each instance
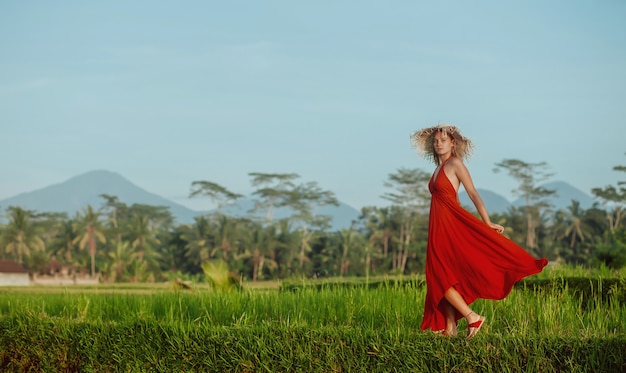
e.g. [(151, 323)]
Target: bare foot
[(450, 333), (446, 333)]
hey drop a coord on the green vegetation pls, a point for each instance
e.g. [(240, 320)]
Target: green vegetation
[(566, 319), (141, 243)]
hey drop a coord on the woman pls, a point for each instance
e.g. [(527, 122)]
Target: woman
[(466, 258)]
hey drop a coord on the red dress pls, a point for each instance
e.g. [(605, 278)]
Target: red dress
[(466, 253)]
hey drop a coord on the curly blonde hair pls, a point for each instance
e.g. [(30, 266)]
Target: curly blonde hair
[(422, 140)]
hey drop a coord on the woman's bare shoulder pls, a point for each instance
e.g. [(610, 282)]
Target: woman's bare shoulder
[(457, 166), (456, 162)]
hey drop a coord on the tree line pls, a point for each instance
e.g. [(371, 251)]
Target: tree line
[(138, 243)]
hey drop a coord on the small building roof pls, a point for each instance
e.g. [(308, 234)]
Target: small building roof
[(11, 266), (55, 266)]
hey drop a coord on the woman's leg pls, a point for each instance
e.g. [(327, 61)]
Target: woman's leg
[(450, 313), (456, 300)]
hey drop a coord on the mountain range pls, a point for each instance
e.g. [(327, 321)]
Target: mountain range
[(562, 199), (78, 192)]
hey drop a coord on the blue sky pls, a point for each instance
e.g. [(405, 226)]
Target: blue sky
[(167, 93)]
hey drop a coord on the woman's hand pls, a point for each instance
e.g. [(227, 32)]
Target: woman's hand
[(497, 227)]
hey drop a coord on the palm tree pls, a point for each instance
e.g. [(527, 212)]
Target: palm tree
[(224, 235), (576, 230), (91, 229), (118, 260), (347, 238), (199, 238), (172, 253), (370, 253), (382, 232), (144, 240), (65, 240), (141, 236), (305, 199), (260, 243), (20, 236), (306, 237), (379, 223), (575, 227), (115, 210), (286, 240)]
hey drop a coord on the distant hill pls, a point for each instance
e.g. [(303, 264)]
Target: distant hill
[(494, 202), (565, 193), (80, 191)]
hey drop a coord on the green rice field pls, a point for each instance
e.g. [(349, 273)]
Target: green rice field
[(565, 319)]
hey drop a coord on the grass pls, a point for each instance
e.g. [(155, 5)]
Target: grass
[(311, 329), (525, 313)]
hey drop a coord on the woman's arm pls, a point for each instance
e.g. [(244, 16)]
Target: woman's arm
[(465, 178)]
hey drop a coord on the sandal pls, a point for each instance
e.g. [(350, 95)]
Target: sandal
[(473, 328)]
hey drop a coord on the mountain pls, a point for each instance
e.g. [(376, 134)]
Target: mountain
[(76, 193), (564, 195), (562, 199), (494, 202), (80, 191)]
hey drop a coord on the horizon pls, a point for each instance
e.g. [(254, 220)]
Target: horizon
[(202, 205)]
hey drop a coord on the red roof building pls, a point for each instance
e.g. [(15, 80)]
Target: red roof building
[(13, 274), (11, 266)]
